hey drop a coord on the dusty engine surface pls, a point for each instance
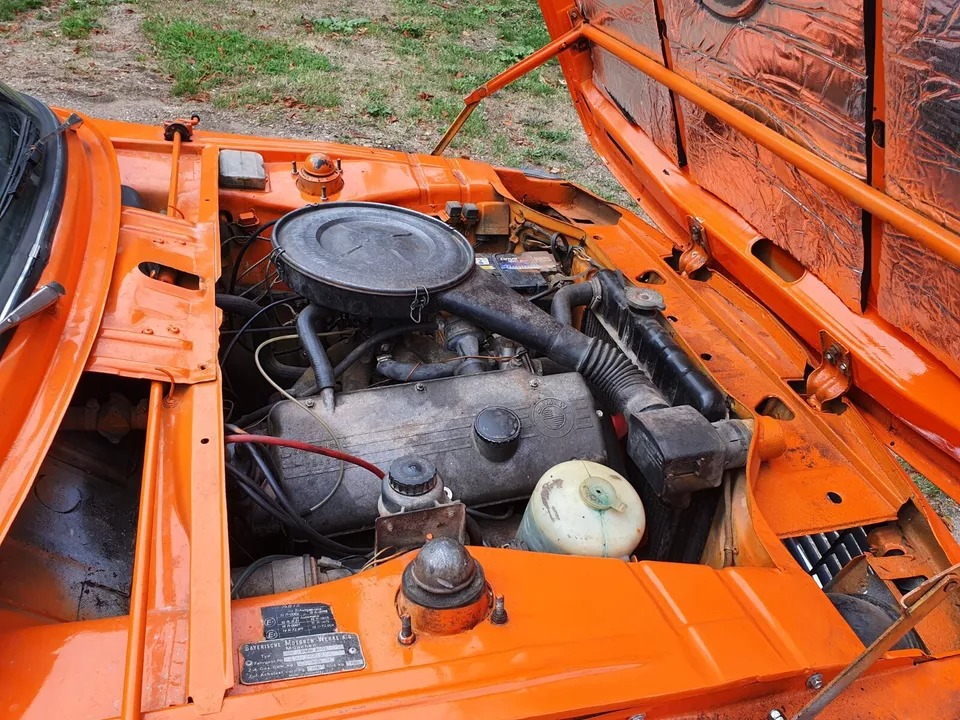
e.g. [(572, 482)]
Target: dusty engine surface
[(432, 392), (490, 435)]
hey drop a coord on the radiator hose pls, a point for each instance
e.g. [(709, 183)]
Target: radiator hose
[(481, 300)]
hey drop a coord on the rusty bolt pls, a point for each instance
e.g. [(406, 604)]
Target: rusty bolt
[(499, 614), (815, 681), (407, 636)]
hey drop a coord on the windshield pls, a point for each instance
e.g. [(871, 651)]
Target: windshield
[(31, 179)]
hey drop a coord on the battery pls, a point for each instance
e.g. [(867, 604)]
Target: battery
[(524, 272)]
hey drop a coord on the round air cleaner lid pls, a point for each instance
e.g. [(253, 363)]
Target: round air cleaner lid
[(369, 258)]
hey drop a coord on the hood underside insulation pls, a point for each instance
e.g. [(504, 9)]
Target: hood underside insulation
[(807, 72)]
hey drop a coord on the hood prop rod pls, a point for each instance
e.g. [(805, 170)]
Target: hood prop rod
[(928, 233), (916, 604), (514, 72)]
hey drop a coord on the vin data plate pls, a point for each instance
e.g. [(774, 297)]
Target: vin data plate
[(300, 657)]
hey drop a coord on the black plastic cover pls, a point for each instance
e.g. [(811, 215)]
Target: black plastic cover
[(370, 259), (643, 337), (411, 475)]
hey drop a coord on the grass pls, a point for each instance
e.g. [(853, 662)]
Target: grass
[(9, 9), (393, 76), (200, 58), (338, 26), (80, 18)]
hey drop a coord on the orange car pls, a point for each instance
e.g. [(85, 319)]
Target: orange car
[(304, 430)]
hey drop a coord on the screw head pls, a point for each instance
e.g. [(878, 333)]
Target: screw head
[(815, 681)]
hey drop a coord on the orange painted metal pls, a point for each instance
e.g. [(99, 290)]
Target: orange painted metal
[(133, 676), (48, 352), (931, 235), (586, 636)]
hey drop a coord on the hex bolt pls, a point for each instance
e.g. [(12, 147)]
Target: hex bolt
[(499, 614), (844, 367), (420, 387), (407, 636), (309, 403), (815, 681), (534, 383)]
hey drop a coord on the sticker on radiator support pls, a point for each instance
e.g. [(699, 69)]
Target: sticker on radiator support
[(300, 657), (286, 621)]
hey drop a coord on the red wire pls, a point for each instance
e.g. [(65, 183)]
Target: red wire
[(299, 445)]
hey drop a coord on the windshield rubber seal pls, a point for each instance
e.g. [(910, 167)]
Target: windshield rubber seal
[(33, 252)]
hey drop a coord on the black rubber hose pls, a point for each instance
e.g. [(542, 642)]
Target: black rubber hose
[(569, 297), (468, 346), (247, 308), (307, 330), (481, 300), (414, 372), (371, 342)]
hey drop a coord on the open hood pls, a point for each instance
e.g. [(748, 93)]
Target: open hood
[(706, 110)]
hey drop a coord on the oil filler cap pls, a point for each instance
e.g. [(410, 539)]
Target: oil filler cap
[(412, 475), (497, 433)]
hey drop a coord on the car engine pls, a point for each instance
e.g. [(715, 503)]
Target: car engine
[(433, 390)]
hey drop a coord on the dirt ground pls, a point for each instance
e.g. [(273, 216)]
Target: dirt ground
[(388, 73), (395, 81)]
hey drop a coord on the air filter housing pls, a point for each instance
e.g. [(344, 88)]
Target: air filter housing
[(370, 259)]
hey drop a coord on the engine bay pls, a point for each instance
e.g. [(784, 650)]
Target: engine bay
[(460, 376), (431, 408)]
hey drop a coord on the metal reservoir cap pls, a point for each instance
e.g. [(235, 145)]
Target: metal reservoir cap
[(443, 589)]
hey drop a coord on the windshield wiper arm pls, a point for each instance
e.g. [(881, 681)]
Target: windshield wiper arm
[(42, 298), (28, 158)]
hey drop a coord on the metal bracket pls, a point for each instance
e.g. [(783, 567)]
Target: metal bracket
[(695, 255), (916, 605), (833, 376), (180, 128)]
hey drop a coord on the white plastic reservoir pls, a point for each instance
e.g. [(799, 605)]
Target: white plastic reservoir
[(583, 508)]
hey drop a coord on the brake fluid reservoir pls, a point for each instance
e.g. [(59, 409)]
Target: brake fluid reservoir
[(583, 508)]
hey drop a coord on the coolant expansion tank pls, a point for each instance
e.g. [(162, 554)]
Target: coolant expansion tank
[(583, 508)]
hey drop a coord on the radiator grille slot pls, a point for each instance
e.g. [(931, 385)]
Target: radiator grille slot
[(823, 555)]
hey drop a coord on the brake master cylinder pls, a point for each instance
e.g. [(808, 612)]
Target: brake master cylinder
[(411, 484), (583, 508)]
